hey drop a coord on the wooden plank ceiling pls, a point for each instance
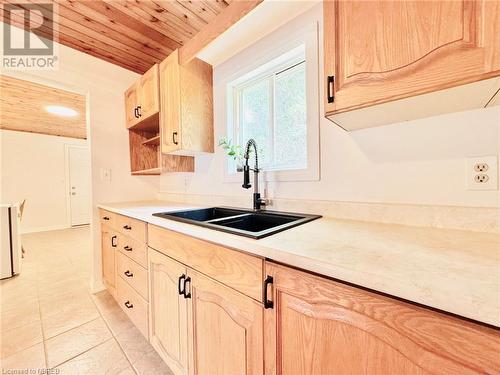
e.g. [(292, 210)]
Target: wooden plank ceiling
[(23, 107), (134, 34)]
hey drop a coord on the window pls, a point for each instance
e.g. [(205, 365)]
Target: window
[(270, 106), (272, 96)]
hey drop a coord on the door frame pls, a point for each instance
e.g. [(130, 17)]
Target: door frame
[(67, 182)]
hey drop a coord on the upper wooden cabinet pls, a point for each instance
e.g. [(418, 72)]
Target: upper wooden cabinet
[(186, 96), (380, 51), (142, 99), (319, 326)]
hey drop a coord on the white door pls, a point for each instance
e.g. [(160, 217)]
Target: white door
[(79, 184)]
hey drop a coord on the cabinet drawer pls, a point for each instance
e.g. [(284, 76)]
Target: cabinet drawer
[(240, 271), (134, 249), (131, 227), (134, 274), (133, 305), (107, 218)]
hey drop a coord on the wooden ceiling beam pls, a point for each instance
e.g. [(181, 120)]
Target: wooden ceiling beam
[(223, 21)]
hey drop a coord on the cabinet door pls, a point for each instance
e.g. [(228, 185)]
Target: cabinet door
[(168, 329), (319, 326), (383, 50), (131, 105), (108, 248), (225, 330), (148, 91), (170, 116)]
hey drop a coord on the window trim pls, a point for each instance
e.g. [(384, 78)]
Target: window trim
[(265, 52)]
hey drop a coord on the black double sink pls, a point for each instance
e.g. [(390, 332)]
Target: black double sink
[(248, 223)]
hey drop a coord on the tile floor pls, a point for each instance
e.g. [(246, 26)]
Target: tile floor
[(49, 318)]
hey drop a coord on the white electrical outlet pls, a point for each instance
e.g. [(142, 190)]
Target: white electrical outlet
[(482, 173)]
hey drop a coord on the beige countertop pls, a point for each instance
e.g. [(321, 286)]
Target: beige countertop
[(452, 270)]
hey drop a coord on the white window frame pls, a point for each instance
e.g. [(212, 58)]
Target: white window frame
[(266, 55)]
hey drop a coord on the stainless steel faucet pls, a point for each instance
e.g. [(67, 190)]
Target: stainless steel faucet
[(257, 200)]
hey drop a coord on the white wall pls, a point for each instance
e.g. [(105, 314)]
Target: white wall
[(104, 84), (418, 162), (34, 168)]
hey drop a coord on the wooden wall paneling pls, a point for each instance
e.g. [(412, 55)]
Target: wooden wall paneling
[(22, 108), (224, 20)]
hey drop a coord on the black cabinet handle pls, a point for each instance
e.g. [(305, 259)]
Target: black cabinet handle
[(127, 248), (174, 138), (267, 303), (136, 113), (330, 95), (113, 239), (128, 305), (188, 294), (139, 111), (105, 218), (127, 227), (181, 287), (128, 273)]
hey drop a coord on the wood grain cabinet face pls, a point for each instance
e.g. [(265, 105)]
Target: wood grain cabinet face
[(108, 248), (318, 326), (226, 330), (142, 99), (379, 51), (170, 104), (148, 87), (131, 100), (168, 312), (186, 99)]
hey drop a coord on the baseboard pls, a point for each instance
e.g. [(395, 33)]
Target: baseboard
[(97, 286)]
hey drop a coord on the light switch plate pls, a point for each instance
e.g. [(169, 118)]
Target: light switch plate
[(105, 175), (481, 173)]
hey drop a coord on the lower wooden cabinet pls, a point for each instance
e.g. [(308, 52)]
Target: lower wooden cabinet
[(168, 320), (319, 326), (108, 248), (199, 326), (226, 329), (202, 322)]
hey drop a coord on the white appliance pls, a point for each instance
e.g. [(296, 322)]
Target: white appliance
[(10, 241)]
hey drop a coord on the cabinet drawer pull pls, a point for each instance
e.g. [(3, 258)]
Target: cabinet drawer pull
[(128, 273), (139, 111), (330, 95), (105, 218), (180, 285), (267, 303), (127, 227), (188, 294), (127, 248), (128, 305), (136, 113), (174, 138), (113, 239)]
